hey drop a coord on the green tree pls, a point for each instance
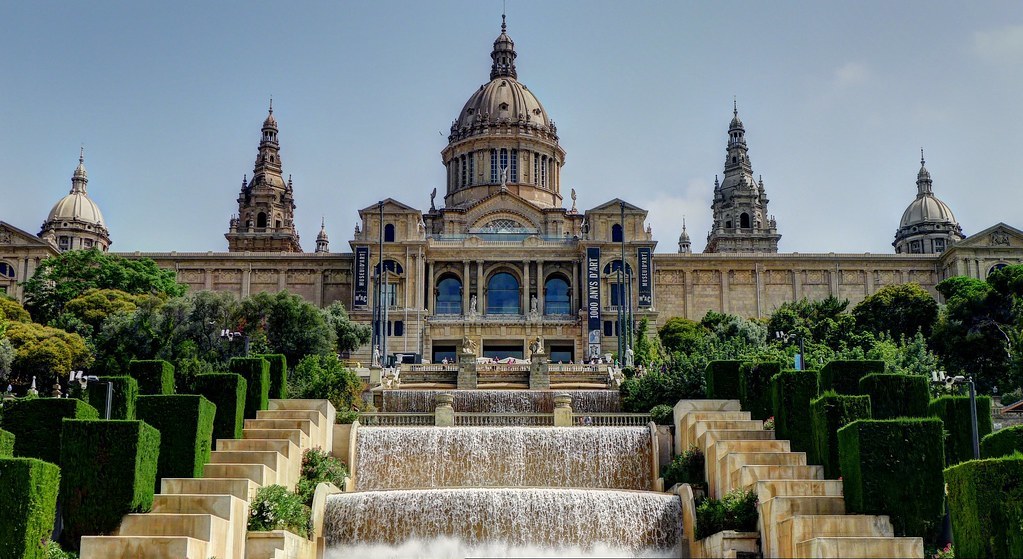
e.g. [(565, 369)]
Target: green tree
[(11, 310), (95, 305), (898, 310), (646, 350), (681, 335), (324, 376), (350, 335), (44, 352), (70, 274), (291, 325)]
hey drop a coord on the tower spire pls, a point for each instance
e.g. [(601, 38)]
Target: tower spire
[(924, 184), (80, 178), (503, 54)]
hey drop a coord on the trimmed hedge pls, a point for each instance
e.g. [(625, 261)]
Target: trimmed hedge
[(828, 414), (109, 471), (984, 501), (844, 376), (29, 495), (185, 422), (894, 467), (791, 394), (35, 424), (126, 391), (6, 444), (723, 380), (1002, 442), (755, 388), (256, 372), (894, 395), (227, 392), (954, 412), (155, 376), (278, 375)]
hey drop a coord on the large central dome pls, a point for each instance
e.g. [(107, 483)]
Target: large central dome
[(503, 100)]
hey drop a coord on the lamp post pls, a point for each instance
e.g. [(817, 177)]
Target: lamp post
[(228, 335), (782, 336), (84, 380), (940, 378)]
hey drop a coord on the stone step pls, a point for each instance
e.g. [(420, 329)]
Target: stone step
[(286, 447), (312, 415), (710, 436), (296, 436), (748, 475), (709, 425), (774, 511), (827, 548), (242, 488), (715, 454), (228, 507), (322, 405), (768, 489), (736, 460), (207, 528), (148, 547), (304, 424), (258, 473), (686, 425), (273, 460), (806, 527)]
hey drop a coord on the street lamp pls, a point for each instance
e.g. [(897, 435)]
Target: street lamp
[(84, 381), (228, 335), (940, 378), (782, 336)]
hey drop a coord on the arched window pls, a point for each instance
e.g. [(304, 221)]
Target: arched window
[(449, 295), (555, 296), (493, 166), (261, 220), (616, 233), (472, 169), (6, 271), (744, 220), (503, 294), (389, 233)]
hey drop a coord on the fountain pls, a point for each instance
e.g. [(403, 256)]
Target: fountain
[(501, 401)]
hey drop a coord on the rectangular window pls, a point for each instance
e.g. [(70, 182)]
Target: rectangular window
[(399, 328), (536, 168), (939, 245), (472, 169), (504, 159), (617, 294), (493, 166), (514, 174), (64, 243), (543, 172), (914, 247), (463, 183), (609, 328)]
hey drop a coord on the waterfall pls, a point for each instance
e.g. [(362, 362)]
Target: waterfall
[(501, 401), (503, 523), (430, 457)]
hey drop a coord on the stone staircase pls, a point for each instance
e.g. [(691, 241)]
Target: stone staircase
[(801, 513), (207, 517)]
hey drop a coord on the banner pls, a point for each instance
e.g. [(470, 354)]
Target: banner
[(361, 277), (646, 292), (593, 301)]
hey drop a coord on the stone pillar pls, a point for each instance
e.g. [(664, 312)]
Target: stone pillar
[(467, 379), (562, 410), (208, 279), (526, 303), (246, 284), (481, 304), (540, 295), (375, 375), (579, 288), (539, 374), (465, 287), (444, 413)]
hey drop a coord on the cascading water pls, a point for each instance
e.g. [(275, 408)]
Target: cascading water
[(501, 401), (430, 457), (503, 523)]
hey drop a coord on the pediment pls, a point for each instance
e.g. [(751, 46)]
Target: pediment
[(504, 205), (999, 235), (391, 206), (614, 206), (12, 236)]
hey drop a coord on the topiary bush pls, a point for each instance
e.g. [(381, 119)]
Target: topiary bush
[(185, 422), (791, 394), (843, 376), (256, 372), (828, 414), (984, 501), (278, 375), (36, 424), (319, 467), (1002, 442), (894, 467), (227, 392), (687, 467), (737, 510), (723, 380), (276, 508), (755, 388), (28, 491), (662, 414), (126, 391), (954, 412), (6, 444), (155, 376), (893, 395), (109, 471)]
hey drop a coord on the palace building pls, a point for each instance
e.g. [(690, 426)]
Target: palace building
[(503, 257)]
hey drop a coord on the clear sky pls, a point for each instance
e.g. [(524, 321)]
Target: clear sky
[(837, 99)]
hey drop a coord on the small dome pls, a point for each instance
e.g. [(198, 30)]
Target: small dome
[(927, 209), (270, 121), (76, 206), (503, 99)]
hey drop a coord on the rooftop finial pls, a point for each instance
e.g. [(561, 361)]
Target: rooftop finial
[(735, 106), (323, 222), (81, 154), (271, 104), (504, 9), (683, 224), (921, 157)]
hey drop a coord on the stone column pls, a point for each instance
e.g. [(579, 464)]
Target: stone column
[(429, 286), (467, 379), (562, 410), (318, 283), (282, 280), (208, 279), (540, 295), (539, 374), (579, 287), (724, 291), (444, 413), (481, 304), (465, 287), (246, 286), (526, 307)]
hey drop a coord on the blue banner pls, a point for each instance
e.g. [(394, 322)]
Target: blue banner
[(593, 301), (646, 291), (361, 277)]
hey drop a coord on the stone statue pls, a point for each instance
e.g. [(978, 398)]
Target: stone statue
[(573, 210), (472, 306), (534, 305), (536, 346), (376, 356), (629, 357), (504, 177), (469, 347), (432, 196), (422, 227)]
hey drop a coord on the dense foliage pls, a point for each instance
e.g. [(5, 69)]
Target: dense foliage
[(828, 414), (687, 467), (44, 353), (954, 413), (791, 394), (288, 324), (894, 396), (28, 492), (737, 510), (36, 424), (662, 414), (319, 467), (276, 508), (843, 375), (350, 335), (278, 374), (227, 392), (256, 372), (755, 388), (723, 379), (6, 444), (185, 422), (125, 394), (155, 376), (984, 500), (1002, 442), (897, 310), (324, 376)]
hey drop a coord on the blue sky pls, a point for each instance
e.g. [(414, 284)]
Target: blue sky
[(837, 99)]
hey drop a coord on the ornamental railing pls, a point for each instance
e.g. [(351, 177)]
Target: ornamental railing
[(610, 419), (504, 419), (389, 419)]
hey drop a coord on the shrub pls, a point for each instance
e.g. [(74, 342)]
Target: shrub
[(319, 467), (126, 392), (894, 396), (35, 424), (755, 388), (6, 444), (324, 376), (28, 491), (687, 467), (256, 372), (662, 414), (1011, 397), (1002, 442), (185, 422), (276, 508), (736, 511), (828, 414), (154, 376), (791, 393), (109, 471), (227, 392), (278, 375), (844, 376), (54, 551), (984, 499), (894, 467), (723, 380), (954, 412)]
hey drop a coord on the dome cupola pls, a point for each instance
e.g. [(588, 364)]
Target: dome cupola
[(928, 225), (75, 221)]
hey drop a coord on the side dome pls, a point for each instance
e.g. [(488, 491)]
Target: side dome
[(928, 225), (77, 206), (75, 221), (927, 209)]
